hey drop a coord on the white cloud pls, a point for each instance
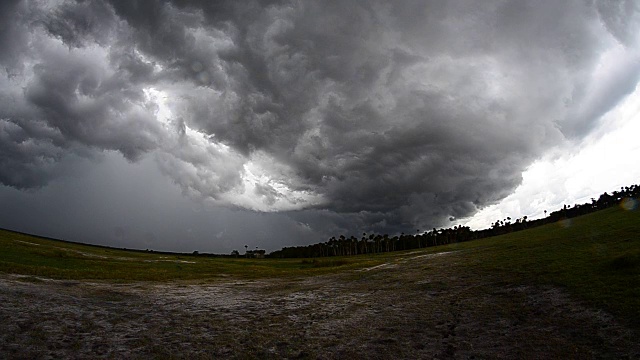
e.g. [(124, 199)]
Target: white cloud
[(204, 167), (266, 187), (604, 161)]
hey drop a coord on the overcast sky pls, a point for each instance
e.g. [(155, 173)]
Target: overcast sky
[(210, 125)]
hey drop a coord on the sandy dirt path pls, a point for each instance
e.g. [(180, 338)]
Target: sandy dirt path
[(416, 307)]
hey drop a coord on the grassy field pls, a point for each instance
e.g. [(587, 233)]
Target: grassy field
[(31, 255), (596, 257)]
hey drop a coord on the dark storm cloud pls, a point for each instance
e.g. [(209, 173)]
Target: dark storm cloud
[(378, 115), (143, 210)]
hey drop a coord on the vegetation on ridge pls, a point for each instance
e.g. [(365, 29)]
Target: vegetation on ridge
[(628, 197)]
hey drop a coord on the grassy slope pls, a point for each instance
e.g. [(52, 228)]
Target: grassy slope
[(596, 257)]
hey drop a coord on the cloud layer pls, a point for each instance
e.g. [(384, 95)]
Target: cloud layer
[(383, 115)]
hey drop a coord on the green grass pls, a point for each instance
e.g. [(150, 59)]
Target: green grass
[(596, 257), (30, 255)]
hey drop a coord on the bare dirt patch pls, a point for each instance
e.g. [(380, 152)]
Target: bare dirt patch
[(417, 307)]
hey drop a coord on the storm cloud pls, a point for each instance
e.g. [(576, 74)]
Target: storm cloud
[(346, 115)]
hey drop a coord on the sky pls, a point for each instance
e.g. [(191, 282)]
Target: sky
[(200, 125)]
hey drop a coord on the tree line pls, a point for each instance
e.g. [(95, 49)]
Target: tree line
[(378, 243)]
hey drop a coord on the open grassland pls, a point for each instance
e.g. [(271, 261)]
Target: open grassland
[(565, 290), (29, 255)]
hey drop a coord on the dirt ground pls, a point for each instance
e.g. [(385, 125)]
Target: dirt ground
[(417, 307)]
